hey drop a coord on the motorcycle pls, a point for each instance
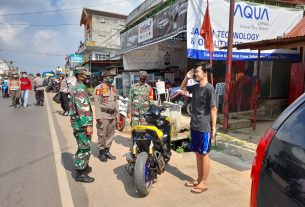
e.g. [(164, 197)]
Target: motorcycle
[(4, 89), (122, 102), (53, 86), (150, 150)]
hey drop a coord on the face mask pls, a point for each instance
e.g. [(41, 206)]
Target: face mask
[(109, 80), (142, 80), (23, 76)]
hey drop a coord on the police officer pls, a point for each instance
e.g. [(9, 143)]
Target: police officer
[(140, 97), (81, 120), (106, 111)]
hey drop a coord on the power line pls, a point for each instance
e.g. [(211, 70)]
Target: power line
[(39, 25), (59, 10), (20, 50)]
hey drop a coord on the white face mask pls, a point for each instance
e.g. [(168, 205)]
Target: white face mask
[(24, 76)]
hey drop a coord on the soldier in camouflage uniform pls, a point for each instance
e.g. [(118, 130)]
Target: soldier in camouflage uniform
[(140, 97), (82, 121)]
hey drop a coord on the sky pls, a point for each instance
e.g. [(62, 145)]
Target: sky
[(43, 48)]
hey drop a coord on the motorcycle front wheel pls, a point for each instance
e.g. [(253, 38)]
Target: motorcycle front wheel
[(120, 126), (142, 176)]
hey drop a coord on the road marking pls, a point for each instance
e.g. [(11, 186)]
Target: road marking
[(65, 192)]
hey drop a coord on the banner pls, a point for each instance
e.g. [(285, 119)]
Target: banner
[(252, 22), (164, 25)]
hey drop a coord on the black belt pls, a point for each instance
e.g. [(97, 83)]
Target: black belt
[(108, 111)]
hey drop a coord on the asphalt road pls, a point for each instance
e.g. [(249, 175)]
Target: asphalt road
[(36, 168), (27, 167)]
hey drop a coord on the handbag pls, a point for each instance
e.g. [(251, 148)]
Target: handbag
[(56, 98)]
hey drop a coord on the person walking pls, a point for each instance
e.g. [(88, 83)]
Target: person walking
[(139, 101), (39, 89), (106, 112), (81, 118), (26, 87), (64, 95), (14, 90), (203, 122)]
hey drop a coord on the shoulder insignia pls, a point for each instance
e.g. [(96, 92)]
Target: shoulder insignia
[(98, 91)]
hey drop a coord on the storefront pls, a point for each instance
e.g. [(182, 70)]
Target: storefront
[(168, 43)]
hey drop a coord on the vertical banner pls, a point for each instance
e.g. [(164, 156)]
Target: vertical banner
[(252, 22)]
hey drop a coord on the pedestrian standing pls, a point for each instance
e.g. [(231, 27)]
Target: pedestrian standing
[(26, 87), (64, 95), (39, 89), (203, 122), (139, 101), (81, 118), (14, 90), (106, 112)]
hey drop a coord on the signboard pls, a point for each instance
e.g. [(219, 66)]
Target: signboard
[(145, 30), (164, 25), (160, 85), (252, 22), (77, 58)]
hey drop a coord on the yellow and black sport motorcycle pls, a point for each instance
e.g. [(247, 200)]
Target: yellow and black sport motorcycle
[(150, 150)]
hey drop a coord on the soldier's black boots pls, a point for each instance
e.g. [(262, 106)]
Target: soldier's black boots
[(82, 176), (102, 156), (88, 169), (109, 155)]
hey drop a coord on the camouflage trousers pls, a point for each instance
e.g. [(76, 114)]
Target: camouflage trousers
[(83, 152), (137, 120)]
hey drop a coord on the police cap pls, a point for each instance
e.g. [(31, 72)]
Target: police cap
[(107, 73)]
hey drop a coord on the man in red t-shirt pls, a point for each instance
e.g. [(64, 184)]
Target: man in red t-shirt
[(25, 87)]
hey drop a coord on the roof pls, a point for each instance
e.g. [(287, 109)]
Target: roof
[(291, 1), (87, 12), (295, 38)]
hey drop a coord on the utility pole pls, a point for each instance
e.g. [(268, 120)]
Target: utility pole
[(229, 67)]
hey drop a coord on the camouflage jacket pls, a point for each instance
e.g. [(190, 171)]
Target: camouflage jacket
[(139, 99), (80, 108)]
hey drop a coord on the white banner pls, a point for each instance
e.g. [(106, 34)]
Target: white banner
[(145, 30), (252, 22)]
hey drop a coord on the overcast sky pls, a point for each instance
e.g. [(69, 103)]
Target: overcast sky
[(38, 49)]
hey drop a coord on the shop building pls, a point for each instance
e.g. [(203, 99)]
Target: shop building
[(165, 40)]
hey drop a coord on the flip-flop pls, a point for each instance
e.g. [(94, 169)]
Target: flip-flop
[(198, 190), (190, 184)]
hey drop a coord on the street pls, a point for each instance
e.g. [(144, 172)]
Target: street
[(34, 173)]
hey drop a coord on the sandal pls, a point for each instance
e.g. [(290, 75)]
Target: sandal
[(191, 184), (198, 190)]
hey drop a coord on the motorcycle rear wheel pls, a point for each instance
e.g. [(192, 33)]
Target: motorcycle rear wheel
[(142, 176)]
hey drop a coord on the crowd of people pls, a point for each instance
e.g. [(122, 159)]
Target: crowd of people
[(75, 102), (203, 119)]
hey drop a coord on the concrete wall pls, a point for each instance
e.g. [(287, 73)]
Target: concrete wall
[(105, 27)]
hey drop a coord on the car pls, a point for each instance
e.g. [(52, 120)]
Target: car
[(278, 169)]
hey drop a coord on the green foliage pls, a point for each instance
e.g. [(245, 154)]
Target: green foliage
[(180, 149)]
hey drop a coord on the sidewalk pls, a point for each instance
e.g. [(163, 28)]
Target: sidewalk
[(229, 181)]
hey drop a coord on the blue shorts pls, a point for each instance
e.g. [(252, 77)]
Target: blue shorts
[(200, 142)]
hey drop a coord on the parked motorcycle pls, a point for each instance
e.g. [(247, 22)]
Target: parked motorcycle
[(122, 102), (150, 150), (53, 86), (4, 89)]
